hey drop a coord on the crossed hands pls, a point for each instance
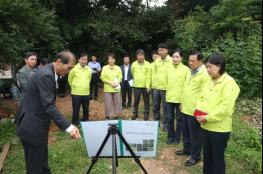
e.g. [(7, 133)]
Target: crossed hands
[(114, 84)]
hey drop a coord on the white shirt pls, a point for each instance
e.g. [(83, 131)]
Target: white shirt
[(126, 70), (56, 79)]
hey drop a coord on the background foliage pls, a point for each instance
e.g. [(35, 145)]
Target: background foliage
[(231, 27)]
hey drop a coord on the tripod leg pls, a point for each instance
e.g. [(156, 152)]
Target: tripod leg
[(136, 159), (114, 157), (117, 162), (95, 159)]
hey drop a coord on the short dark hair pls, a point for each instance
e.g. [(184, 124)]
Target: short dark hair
[(162, 45), (126, 56), (44, 61), (180, 51), (83, 55), (198, 54), (111, 55), (29, 54), (154, 52), (63, 56), (140, 51), (217, 59)]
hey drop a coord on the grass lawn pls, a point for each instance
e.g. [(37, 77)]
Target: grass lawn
[(66, 156)]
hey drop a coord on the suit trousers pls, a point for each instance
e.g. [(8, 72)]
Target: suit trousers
[(158, 99), (214, 145), (137, 96), (77, 102), (94, 86), (174, 112), (126, 90), (192, 136), (36, 158)]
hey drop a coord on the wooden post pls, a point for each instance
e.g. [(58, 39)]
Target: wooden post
[(3, 155)]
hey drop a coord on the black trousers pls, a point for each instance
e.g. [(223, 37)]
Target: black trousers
[(62, 85), (137, 96), (214, 145), (192, 136), (94, 85), (172, 109), (126, 90), (36, 158), (159, 96), (78, 101)]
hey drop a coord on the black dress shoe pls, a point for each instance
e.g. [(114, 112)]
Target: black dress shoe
[(170, 141), (134, 117), (176, 142), (116, 118), (182, 153), (165, 129), (191, 162), (107, 118)]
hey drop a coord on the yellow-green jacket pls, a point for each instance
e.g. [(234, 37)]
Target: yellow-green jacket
[(176, 76), (141, 74), (153, 76), (79, 80), (159, 69), (218, 100), (109, 75), (192, 89)]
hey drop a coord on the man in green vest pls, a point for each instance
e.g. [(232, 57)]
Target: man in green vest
[(159, 91), (191, 129), (141, 71), (79, 80)]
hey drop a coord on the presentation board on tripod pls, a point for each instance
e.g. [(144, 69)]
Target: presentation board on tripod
[(141, 136)]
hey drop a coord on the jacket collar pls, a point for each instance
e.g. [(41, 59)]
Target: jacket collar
[(178, 65), (112, 67), (80, 67), (198, 70), (222, 78)]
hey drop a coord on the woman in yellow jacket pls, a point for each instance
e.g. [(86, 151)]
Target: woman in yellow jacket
[(79, 80), (217, 102), (111, 76), (176, 74)]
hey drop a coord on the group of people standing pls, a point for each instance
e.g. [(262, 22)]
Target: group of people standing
[(201, 97)]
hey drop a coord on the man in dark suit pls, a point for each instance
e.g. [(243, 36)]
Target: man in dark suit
[(126, 88), (38, 108)]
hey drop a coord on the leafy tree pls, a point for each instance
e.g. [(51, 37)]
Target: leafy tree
[(26, 25), (235, 16)]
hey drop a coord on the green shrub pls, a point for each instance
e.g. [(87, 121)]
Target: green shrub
[(7, 131), (245, 146), (243, 56)]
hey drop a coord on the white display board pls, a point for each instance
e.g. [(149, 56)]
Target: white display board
[(142, 136)]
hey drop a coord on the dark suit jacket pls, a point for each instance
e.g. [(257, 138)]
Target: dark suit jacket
[(38, 108), (129, 76)]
